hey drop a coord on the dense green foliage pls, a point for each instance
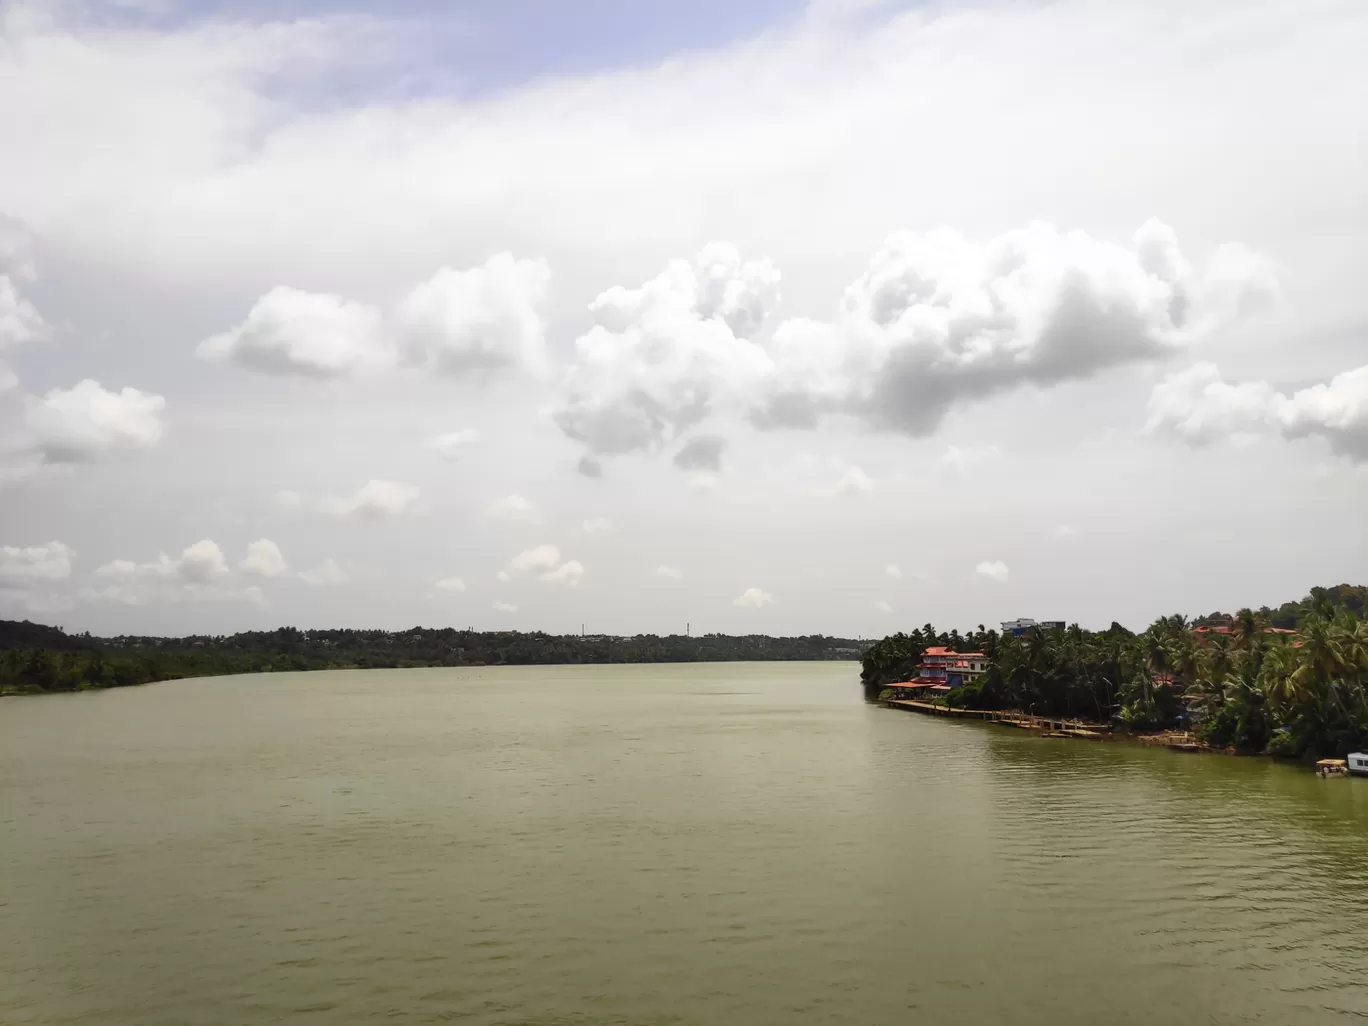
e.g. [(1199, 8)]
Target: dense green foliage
[(1243, 687), (35, 658)]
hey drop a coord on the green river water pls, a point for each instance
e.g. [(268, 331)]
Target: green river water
[(743, 844)]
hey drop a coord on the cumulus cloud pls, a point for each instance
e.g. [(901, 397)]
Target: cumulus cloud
[(702, 452), (288, 498), (504, 607), (451, 584), (513, 508), (658, 357), (568, 572), (32, 563), (483, 318), (673, 572), (264, 559), (199, 573), (994, 571), (81, 423), (597, 525), (883, 606), (1199, 406), (1065, 531), (316, 335), (327, 573), (545, 562), (375, 500), (753, 598), (450, 445), (20, 322), (894, 571), (937, 319)]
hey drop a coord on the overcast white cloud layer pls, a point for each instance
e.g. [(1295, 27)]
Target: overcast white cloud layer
[(902, 290)]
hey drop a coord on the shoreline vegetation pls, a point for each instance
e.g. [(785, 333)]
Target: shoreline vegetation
[(38, 659), (1289, 682)]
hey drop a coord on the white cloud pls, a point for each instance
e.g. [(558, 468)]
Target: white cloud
[(938, 319), (480, 319), (544, 561), (454, 322), (1065, 531), (513, 509), (289, 499), (312, 334), (19, 324), (375, 500), (568, 572), (537, 560), (754, 598), (264, 559), (50, 562), (504, 607), (883, 606), (200, 573), (327, 573), (658, 357), (450, 445), (854, 482), (893, 570), (451, 584), (596, 525), (994, 571), (1199, 406), (79, 424), (199, 563), (669, 571)]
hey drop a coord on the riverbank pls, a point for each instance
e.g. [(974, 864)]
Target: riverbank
[(1074, 729)]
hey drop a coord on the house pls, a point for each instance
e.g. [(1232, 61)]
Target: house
[(940, 665), (942, 669)]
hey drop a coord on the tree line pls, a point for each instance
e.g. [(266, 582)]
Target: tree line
[(38, 658), (1236, 681)]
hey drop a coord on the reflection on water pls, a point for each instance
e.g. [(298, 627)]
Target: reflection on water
[(749, 844)]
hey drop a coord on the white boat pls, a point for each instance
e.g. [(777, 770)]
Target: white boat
[(1358, 764)]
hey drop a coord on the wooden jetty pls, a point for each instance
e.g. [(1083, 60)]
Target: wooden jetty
[(1052, 726)]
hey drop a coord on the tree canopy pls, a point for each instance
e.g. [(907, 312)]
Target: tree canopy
[(35, 658)]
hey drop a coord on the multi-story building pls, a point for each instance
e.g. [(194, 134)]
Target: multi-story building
[(1016, 628), (941, 669)]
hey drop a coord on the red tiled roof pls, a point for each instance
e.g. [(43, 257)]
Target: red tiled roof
[(941, 687)]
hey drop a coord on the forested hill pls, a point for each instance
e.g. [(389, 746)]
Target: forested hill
[(36, 658)]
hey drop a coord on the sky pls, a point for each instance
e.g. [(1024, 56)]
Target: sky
[(839, 317)]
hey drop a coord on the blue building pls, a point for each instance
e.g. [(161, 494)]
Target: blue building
[(1016, 628)]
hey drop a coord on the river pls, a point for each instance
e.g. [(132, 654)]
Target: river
[(745, 844)]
